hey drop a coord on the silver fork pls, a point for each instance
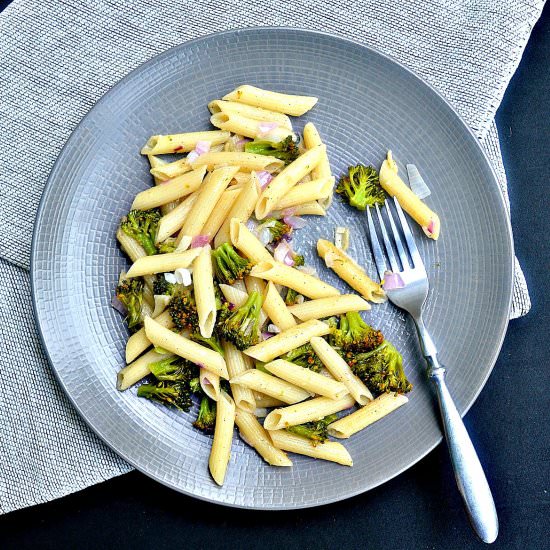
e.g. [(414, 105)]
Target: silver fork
[(412, 282)]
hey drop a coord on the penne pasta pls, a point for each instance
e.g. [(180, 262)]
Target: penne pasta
[(356, 277), (223, 437), (216, 219), (162, 263), (241, 178), (205, 297), (210, 383), (157, 163), (341, 370), (424, 216), (234, 295), (181, 143), (301, 282), (211, 191), (169, 170), (367, 415), (327, 307), (139, 369), (138, 342), (266, 401), (237, 363), (170, 190), (307, 411), (312, 208), (243, 239), (253, 284), (248, 127), (295, 105), (270, 385), (245, 161), (322, 170), (179, 345), (254, 435), (329, 450), (307, 192), (287, 340), (281, 184), (276, 309), (174, 220), (241, 209), (134, 251), (248, 111), (307, 379)]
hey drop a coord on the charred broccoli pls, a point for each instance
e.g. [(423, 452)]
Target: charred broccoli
[(130, 293), (242, 326), (361, 188), (228, 265), (273, 230), (290, 298), (206, 420), (142, 226), (381, 369), (285, 150), (212, 342), (168, 246), (162, 286), (304, 356), (354, 335), (174, 394), (183, 311), (174, 369), (316, 431)]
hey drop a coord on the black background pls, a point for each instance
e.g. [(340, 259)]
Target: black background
[(421, 508)]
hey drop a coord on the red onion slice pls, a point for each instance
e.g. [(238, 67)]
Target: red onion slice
[(267, 335), (192, 157), (393, 281), (118, 305), (282, 251), (265, 128), (295, 222), (202, 147), (264, 177), (199, 240)]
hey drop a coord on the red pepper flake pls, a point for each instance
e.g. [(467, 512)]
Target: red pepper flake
[(178, 148)]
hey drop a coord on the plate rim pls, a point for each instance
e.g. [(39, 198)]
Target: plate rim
[(121, 82)]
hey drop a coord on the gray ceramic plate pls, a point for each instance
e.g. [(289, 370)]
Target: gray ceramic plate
[(367, 103)]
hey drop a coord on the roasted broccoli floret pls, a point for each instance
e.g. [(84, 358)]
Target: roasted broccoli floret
[(212, 342), (174, 369), (183, 311), (285, 150), (168, 246), (162, 286), (130, 293), (142, 226), (361, 188), (354, 335), (305, 357), (298, 260), (316, 431), (228, 265), (206, 420), (290, 298), (381, 369), (273, 230), (173, 394), (242, 326)]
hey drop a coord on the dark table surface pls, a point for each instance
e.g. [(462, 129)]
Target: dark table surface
[(420, 509)]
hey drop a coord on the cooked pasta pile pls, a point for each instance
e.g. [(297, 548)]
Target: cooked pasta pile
[(221, 306)]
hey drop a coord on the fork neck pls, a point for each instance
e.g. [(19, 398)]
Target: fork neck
[(428, 348)]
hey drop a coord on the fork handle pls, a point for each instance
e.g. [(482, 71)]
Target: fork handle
[(469, 474)]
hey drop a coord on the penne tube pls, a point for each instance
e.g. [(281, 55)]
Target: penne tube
[(313, 208), (307, 192), (170, 190), (253, 284), (241, 209), (243, 239), (219, 215), (307, 379), (301, 282), (248, 127), (422, 214), (169, 170), (322, 170), (139, 369), (349, 271), (253, 434), (210, 383), (134, 251), (307, 411), (287, 340), (223, 437), (138, 342), (241, 178), (211, 191), (270, 385), (283, 182), (329, 450), (205, 296), (295, 105), (367, 415), (174, 220), (175, 343), (181, 143), (147, 303), (327, 307), (266, 401), (237, 363), (245, 161), (162, 263), (276, 309), (248, 111), (234, 295), (341, 370), (157, 163), (161, 302)]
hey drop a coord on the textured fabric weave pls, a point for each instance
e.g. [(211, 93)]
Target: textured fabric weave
[(58, 57)]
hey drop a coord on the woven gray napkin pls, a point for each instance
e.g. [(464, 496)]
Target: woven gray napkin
[(57, 58)]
